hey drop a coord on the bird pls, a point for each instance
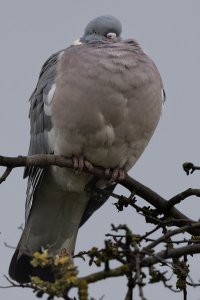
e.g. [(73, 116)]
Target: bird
[(98, 102)]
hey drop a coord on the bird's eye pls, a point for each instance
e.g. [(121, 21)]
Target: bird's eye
[(94, 31)]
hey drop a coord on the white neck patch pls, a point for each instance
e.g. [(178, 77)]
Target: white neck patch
[(77, 42)]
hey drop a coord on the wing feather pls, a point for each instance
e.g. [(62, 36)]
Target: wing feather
[(41, 125)]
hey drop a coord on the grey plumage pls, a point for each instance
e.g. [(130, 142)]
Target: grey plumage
[(100, 98), (98, 28)]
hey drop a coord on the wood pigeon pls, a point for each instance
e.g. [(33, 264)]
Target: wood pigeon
[(98, 101)]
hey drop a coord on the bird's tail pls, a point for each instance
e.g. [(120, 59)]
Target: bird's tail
[(21, 268), (52, 224)]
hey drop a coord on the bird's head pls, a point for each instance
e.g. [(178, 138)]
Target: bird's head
[(102, 28)]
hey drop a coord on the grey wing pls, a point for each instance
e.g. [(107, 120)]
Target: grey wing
[(41, 125)]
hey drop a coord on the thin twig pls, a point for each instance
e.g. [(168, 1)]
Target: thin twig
[(182, 196), (5, 174), (8, 246), (138, 273), (171, 233), (185, 276), (193, 284), (144, 237)]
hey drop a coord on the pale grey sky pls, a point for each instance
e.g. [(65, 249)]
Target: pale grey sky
[(169, 32)]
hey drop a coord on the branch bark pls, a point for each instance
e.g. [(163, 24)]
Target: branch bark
[(172, 253)]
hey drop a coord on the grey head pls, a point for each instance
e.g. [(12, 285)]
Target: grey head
[(102, 28)]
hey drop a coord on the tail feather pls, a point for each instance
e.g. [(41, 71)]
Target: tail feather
[(21, 268), (53, 225)]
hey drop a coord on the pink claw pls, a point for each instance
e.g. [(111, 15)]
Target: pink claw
[(117, 174), (79, 163), (88, 165)]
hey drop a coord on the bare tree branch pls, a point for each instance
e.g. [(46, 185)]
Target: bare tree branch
[(172, 253), (158, 202), (182, 196), (171, 233), (131, 184), (116, 272)]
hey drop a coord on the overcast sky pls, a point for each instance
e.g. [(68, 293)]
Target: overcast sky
[(169, 31)]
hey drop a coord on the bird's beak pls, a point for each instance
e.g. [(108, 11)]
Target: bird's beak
[(112, 36)]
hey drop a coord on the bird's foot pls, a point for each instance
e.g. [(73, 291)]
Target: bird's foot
[(115, 175), (79, 162)]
